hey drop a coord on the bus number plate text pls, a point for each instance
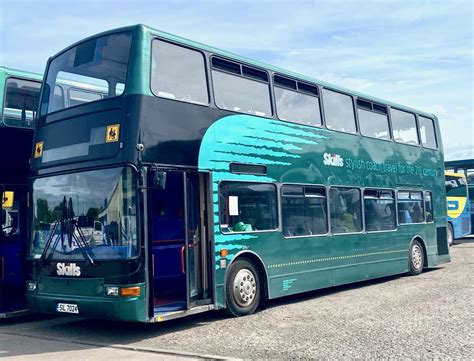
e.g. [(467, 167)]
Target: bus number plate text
[(67, 308)]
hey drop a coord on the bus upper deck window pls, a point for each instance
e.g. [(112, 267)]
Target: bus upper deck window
[(427, 132), (178, 73), (21, 102), (339, 111), (97, 66), (404, 127)]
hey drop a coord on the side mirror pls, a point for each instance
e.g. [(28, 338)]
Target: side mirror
[(159, 180)]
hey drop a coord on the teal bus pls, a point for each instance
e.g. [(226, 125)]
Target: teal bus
[(19, 94), (459, 212), (204, 180)]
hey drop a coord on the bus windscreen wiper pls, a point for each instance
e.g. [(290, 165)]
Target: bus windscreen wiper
[(68, 227)]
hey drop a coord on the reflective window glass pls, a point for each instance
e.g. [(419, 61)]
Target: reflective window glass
[(404, 127), (410, 207), (297, 107), (345, 207), (247, 207), (21, 102), (427, 132), (379, 210), (178, 73), (374, 125), (339, 111), (241, 94), (303, 211)]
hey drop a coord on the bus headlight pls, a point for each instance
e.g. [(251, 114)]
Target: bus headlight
[(31, 286), (112, 291)]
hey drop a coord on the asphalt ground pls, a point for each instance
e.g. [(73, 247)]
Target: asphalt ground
[(428, 316)]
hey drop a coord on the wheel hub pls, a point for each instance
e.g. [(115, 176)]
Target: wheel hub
[(416, 257), (245, 287)]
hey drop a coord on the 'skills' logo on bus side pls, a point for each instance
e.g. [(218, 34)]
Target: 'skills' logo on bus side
[(334, 160), (68, 269)]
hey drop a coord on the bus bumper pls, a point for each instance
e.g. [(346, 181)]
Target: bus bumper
[(116, 308)]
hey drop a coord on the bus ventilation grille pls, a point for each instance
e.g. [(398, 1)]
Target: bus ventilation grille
[(442, 238)]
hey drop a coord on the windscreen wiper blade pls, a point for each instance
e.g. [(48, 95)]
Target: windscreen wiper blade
[(80, 241), (49, 240)]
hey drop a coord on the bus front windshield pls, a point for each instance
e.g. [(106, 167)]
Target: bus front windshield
[(455, 186), (89, 215), (98, 65)]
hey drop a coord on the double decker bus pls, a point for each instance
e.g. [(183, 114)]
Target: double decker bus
[(459, 212), (466, 167), (19, 94), (205, 180)]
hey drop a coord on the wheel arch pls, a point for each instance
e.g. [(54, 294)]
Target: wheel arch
[(258, 262)]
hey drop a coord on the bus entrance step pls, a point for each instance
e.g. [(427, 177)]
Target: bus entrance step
[(170, 307), (165, 316)]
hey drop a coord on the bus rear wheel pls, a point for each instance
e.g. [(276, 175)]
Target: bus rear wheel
[(450, 235), (416, 258), (242, 288)]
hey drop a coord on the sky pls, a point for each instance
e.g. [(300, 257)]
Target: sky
[(415, 53)]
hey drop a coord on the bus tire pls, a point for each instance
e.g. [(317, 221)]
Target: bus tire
[(243, 288), (416, 259), (450, 235)]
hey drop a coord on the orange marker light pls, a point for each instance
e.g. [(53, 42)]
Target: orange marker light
[(130, 291), (224, 253)]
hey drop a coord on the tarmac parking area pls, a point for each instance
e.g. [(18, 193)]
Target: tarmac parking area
[(428, 316)]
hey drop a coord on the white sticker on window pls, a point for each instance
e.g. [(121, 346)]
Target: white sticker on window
[(233, 206)]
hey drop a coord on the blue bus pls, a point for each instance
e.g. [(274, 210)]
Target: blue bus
[(459, 212), (19, 93)]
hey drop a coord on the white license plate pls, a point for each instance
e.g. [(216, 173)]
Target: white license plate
[(67, 308)]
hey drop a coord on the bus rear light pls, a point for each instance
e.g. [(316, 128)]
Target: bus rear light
[(130, 291)]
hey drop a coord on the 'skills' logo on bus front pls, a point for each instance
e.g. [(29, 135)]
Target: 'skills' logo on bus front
[(334, 160), (68, 269)]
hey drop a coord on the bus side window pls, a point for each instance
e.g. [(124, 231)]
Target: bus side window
[(429, 217), (303, 210), (240, 88), (410, 207), (427, 132), (404, 127), (247, 207), (339, 111), (178, 73), (379, 209), (345, 206)]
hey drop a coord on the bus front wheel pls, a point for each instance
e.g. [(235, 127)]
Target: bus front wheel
[(450, 235), (416, 258), (242, 288)]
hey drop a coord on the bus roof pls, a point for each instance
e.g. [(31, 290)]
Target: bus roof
[(194, 44), (20, 73)]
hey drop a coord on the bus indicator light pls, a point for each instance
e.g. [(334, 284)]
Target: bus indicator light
[(39, 150), (112, 133), (224, 252), (130, 291)]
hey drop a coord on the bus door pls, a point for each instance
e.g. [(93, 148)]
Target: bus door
[(197, 250), (12, 249), (177, 231)]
